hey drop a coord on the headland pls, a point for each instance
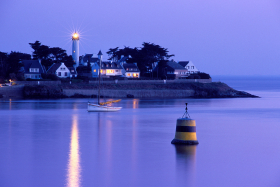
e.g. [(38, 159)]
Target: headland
[(124, 89)]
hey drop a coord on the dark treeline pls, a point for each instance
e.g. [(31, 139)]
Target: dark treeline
[(12, 68), (145, 56)]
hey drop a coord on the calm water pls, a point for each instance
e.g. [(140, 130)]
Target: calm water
[(58, 143)]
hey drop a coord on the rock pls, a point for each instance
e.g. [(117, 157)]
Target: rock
[(130, 96)]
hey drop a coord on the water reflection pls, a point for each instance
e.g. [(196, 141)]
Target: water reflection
[(186, 163), (135, 103), (74, 168)]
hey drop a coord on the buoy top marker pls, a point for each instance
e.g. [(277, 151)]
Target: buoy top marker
[(186, 114)]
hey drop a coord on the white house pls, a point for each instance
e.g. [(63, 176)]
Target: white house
[(131, 70), (109, 69), (60, 70), (189, 66)]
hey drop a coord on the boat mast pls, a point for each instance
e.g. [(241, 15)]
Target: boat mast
[(99, 75), (99, 82)]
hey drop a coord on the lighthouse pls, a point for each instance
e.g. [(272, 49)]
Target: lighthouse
[(75, 49)]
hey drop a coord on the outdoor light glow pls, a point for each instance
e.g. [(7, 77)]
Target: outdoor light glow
[(75, 36)]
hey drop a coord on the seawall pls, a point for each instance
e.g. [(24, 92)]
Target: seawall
[(15, 92), (135, 93)]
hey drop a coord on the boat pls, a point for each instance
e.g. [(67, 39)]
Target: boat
[(102, 107)]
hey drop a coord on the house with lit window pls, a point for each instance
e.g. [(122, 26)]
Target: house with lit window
[(131, 70), (189, 66), (33, 69), (111, 69), (94, 69), (60, 70)]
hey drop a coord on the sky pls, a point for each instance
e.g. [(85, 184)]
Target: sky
[(232, 37)]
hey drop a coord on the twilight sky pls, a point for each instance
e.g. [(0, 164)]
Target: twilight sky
[(221, 37)]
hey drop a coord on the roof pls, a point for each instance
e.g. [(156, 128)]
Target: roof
[(174, 66), (32, 64), (92, 59), (123, 59), (183, 63), (110, 65), (72, 70), (54, 67), (99, 53), (131, 67)]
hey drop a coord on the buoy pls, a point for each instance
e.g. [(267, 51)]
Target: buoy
[(185, 130)]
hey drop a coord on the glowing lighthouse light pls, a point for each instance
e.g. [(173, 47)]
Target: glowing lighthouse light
[(75, 36), (75, 49)]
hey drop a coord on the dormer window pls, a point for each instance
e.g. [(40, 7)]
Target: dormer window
[(33, 69)]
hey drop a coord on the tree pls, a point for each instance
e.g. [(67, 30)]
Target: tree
[(13, 62), (112, 53), (48, 55), (146, 57), (3, 64)]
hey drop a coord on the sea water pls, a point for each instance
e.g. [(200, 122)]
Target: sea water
[(58, 143)]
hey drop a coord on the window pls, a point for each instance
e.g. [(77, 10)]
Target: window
[(101, 71), (117, 70), (94, 70), (34, 70), (128, 74), (110, 71), (59, 74), (192, 67), (72, 70), (188, 67), (126, 69), (65, 74)]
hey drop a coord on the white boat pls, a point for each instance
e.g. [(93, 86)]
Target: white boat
[(102, 107)]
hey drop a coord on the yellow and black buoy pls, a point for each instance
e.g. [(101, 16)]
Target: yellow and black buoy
[(185, 130)]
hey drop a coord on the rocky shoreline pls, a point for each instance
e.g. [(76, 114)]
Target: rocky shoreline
[(174, 90)]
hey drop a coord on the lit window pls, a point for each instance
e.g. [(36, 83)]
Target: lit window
[(128, 74), (94, 70), (110, 71), (101, 71), (134, 74), (74, 51)]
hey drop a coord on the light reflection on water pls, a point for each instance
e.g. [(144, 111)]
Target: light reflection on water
[(186, 163), (74, 168), (239, 139)]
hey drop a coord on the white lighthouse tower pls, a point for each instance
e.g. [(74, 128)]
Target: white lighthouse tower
[(75, 49)]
